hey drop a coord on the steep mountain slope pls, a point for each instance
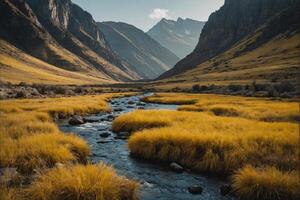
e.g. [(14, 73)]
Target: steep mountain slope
[(180, 36), (145, 56), (16, 66), (61, 34), (268, 54)]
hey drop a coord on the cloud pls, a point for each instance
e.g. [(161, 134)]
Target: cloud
[(159, 13)]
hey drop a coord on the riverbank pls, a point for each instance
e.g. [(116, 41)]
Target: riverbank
[(38, 161), (254, 141)]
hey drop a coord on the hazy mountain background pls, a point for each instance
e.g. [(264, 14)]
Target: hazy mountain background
[(145, 55), (181, 36)]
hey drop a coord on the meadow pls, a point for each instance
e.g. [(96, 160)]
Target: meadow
[(254, 142), (51, 164)]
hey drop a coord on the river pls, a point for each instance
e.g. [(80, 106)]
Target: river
[(157, 182)]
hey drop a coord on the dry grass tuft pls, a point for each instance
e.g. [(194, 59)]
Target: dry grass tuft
[(83, 182), (266, 184), (137, 121)]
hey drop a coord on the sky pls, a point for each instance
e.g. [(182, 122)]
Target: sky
[(146, 13)]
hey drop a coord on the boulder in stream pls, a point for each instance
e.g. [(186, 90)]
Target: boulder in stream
[(105, 134), (76, 120), (195, 190), (176, 168)]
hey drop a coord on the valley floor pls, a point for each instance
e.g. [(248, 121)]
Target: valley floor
[(252, 141)]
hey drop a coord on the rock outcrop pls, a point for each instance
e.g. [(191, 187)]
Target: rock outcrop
[(61, 34), (226, 27)]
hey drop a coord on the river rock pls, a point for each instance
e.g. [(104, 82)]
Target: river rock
[(195, 190), (87, 120), (102, 142), (225, 189), (118, 109), (110, 117), (76, 120), (176, 168), (141, 104), (131, 102), (105, 134)]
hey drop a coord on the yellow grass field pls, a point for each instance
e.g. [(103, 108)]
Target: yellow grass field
[(254, 141), (30, 141)]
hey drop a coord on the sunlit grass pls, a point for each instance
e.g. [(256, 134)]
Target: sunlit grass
[(264, 184), (82, 182), (30, 141), (224, 105), (228, 134)]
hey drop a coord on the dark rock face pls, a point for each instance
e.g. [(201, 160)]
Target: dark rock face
[(145, 55), (227, 26), (69, 23), (180, 36)]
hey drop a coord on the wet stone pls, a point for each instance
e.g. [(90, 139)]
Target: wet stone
[(176, 168), (104, 134), (76, 120), (195, 190)]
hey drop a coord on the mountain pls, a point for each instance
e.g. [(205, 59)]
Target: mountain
[(60, 34), (180, 36), (245, 40), (144, 55)]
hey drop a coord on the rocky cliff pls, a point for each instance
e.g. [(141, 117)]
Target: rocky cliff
[(144, 55), (62, 34), (181, 36), (234, 21)]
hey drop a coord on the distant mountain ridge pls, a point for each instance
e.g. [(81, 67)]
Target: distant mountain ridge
[(181, 36), (61, 34), (254, 21), (145, 55)]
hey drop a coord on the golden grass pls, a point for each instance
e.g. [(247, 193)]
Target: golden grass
[(223, 143), (30, 141), (265, 184), (224, 105), (82, 182)]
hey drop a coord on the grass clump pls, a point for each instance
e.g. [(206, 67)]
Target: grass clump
[(137, 121), (265, 184), (98, 182), (261, 109)]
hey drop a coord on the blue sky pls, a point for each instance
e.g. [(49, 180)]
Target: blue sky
[(145, 13)]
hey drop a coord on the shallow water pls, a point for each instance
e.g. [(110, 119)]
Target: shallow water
[(157, 182)]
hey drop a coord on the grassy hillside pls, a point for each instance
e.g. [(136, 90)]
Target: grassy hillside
[(17, 66), (277, 60)]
